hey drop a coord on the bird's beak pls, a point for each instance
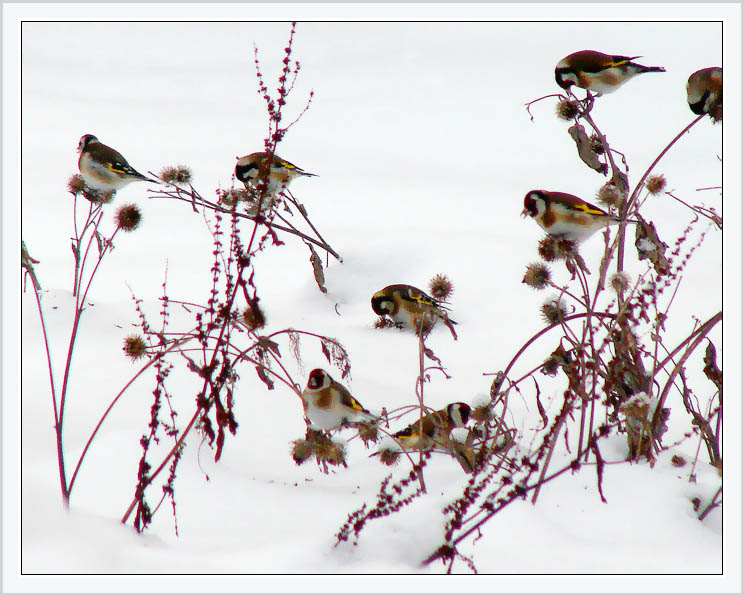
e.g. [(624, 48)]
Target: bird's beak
[(525, 213)]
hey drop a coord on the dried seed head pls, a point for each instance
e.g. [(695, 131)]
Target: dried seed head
[(554, 310), (424, 325), (389, 457), (368, 432), (128, 217), (537, 276), (320, 443), (268, 204), (610, 196), (558, 358), (678, 461), (99, 196), (134, 347), (253, 315), (330, 452), (481, 414), (551, 366), (232, 196), (383, 322), (302, 450), (656, 184), (620, 281), (224, 313), (565, 247), (441, 287), (596, 144), (175, 175), (75, 185), (567, 109), (547, 248)]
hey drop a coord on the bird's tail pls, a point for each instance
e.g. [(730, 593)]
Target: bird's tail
[(464, 456), (136, 174), (617, 220), (450, 325), (650, 68)]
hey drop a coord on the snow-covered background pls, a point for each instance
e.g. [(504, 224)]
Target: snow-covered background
[(424, 153)]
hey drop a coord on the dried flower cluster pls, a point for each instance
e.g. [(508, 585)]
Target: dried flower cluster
[(441, 287), (568, 109), (177, 175), (325, 450), (656, 184), (128, 217), (537, 276), (135, 347), (554, 311)]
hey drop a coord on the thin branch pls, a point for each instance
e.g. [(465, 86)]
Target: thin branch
[(195, 198), (712, 504), (701, 333)]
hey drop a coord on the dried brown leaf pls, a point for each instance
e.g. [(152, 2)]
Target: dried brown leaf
[(585, 148), (650, 247), (317, 269)]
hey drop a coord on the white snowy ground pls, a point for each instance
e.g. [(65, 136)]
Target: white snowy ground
[(424, 152)]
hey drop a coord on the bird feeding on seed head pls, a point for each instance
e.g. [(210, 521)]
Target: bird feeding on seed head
[(277, 173), (433, 430), (598, 72), (329, 405), (104, 169), (705, 91), (410, 307), (562, 214)]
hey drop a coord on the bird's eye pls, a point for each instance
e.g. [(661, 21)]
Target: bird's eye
[(316, 378)]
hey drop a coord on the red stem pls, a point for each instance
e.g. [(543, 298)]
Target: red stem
[(57, 426)]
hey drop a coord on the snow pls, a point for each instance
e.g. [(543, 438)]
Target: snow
[(424, 153)]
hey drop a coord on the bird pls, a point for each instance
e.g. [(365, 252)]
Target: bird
[(433, 430), (252, 169), (410, 307), (329, 405), (598, 72), (104, 169), (705, 91), (562, 214)]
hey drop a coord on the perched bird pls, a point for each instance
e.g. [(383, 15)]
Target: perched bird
[(329, 404), (251, 169), (705, 91), (433, 430), (598, 72), (104, 169), (410, 307), (561, 214)]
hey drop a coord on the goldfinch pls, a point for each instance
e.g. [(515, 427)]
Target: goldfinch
[(705, 91), (561, 214), (433, 430), (329, 405), (598, 72), (410, 307), (251, 169), (104, 169)]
